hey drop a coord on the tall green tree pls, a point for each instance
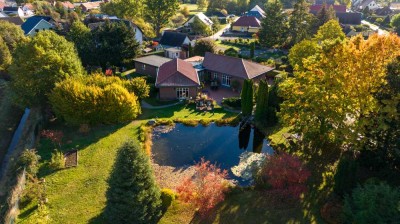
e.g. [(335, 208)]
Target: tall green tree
[(262, 103), (158, 13), (116, 44), (247, 97), (217, 5), (133, 195), (242, 5), (395, 23), (324, 15), (274, 26), (204, 45), (199, 27), (330, 30), (300, 22), (12, 35), (127, 9), (5, 56), (82, 37), (201, 4), (40, 63)]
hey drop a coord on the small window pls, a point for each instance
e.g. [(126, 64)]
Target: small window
[(215, 75), (143, 67)]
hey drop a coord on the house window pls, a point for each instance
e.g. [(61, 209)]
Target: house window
[(143, 67), (226, 80), (36, 30), (182, 93), (215, 76)]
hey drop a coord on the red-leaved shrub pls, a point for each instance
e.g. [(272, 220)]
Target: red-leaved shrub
[(206, 188), (286, 174), (54, 136)]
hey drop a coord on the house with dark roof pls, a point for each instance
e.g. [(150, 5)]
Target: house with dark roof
[(10, 10), (149, 65), (314, 9), (35, 24), (174, 44), (226, 69), (350, 18), (257, 12), (15, 20), (177, 79), (249, 24), (101, 20)]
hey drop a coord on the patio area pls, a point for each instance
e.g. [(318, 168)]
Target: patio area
[(220, 93)]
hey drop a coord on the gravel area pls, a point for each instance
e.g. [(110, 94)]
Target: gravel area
[(170, 177)]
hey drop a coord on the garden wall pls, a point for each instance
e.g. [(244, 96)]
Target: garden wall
[(12, 182)]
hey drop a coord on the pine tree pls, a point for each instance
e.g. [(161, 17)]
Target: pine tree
[(249, 98), (133, 196), (324, 15), (273, 27), (300, 22), (252, 49), (262, 102), (243, 97)]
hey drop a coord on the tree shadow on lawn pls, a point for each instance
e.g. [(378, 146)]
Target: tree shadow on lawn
[(253, 206), (320, 161)]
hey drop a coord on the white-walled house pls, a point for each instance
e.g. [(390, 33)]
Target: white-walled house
[(203, 18)]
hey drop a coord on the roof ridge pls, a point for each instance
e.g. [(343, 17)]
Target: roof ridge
[(245, 69)]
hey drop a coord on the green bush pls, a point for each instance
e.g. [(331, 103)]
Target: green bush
[(57, 160), (373, 203), (167, 197), (345, 176), (234, 102), (94, 99), (29, 160)]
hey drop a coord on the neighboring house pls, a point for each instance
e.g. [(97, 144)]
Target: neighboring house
[(226, 69), (2, 5), (257, 12), (395, 7), (177, 79), (14, 20), (174, 52), (220, 15), (17, 11), (383, 11), (138, 32), (371, 4), (195, 61), (68, 6), (173, 39), (35, 24), (203, 18), (28, 9), (149, 65), (249, 24), (351, 18), (314, 9), (88, 6)]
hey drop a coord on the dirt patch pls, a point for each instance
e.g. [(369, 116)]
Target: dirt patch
[(71, 158)]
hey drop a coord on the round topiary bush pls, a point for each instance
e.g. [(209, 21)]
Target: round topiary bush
[(167, 197)]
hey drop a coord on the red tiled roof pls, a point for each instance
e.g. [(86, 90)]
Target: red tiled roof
[(234, 66), (177, 73), (250, 21), (337, 8), (2, 5), (68, 5)]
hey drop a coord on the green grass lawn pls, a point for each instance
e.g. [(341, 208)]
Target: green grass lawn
[(155, 102), (192, 8)]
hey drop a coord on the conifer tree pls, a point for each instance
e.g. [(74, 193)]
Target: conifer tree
[(262, 102), (133, 196)]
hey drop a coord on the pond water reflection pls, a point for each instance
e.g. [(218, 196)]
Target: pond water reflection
[(184, 146)]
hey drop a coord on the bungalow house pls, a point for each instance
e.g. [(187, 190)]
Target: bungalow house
[(257, 12), (226, 69), (177, 79), (35, 24), (14, 20), (68, 6), (203, 18), (149, 65), (88, 6), (249, 24), (10, 10), (174, 44), (138, 32)]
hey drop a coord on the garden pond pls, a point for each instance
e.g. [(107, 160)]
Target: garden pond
[(237, 149)]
